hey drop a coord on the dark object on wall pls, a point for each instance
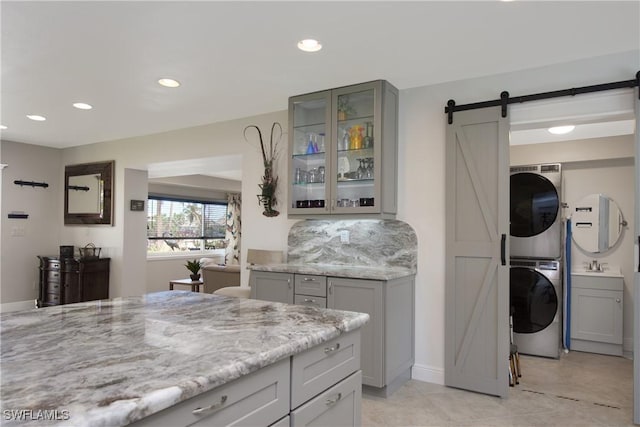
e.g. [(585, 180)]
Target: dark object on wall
[(267, 197), (505, 99), (31, 183), (66, 251), (69, 280), (137, 205), (18, 216), (88, 195)]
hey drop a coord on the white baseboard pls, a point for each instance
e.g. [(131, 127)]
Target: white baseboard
[(427, 374), (17, 306)]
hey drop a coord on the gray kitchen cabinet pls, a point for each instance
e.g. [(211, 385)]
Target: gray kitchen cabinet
[(337, 406), (596, 314), (267, 286), (310, 290), (320, 386), (343, 151), (261, 398), (387, 339)]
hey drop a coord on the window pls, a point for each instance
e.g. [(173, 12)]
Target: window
[(175, 225)]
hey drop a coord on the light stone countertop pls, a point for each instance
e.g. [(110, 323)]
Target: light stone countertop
[(112, 362), (348, 271)]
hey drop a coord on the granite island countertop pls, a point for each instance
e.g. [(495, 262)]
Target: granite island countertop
[(348, 271), (112, 362)]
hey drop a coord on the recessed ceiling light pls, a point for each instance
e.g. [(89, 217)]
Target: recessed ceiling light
[(166, 82), (561, 130), (3, 127), (36, 117), (82, 106), (309, 45)]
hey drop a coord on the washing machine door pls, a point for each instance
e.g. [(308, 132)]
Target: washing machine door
[(533, 299), (534, 204)]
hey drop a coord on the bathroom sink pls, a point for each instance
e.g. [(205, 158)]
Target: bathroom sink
[(609, 272)]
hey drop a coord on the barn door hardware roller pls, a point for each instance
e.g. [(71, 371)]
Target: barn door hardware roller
[(506, 100)]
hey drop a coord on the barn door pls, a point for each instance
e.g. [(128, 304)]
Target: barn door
[(636, 274), (477, 253)]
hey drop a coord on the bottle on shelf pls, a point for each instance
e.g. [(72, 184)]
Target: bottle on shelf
[(368, 138)]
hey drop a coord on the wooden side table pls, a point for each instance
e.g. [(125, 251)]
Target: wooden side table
[(195, 284)]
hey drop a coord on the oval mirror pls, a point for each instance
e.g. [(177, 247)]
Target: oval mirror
[(597, 223)]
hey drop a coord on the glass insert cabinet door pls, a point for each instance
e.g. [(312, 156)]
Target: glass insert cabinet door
[(355, 155), (309, 134), (336, 150)]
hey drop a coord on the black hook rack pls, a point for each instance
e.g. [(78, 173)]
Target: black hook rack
[(78, 187), (31, 183)]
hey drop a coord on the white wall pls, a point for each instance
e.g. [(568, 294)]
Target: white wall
[(24, 239)]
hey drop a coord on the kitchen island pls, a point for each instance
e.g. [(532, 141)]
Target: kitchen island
[(135, 359)]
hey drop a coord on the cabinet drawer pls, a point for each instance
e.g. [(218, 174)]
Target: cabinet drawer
[(311, 285), (53, 276), (338, 406), (261, 398), (53, 288), (52, 299), (53, 265), (320, 367), (312, 301)]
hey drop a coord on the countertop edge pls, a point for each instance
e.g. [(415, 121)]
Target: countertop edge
[(359, 272)]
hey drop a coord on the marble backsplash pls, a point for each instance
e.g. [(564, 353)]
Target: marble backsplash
[(372, 242)]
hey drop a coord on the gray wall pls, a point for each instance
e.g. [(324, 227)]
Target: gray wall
[(24, 239)]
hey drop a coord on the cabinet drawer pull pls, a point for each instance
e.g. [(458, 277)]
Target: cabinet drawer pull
[(309, 300), (333, 401), (309, 279), (328, 350), (617, 299), (211, 408)]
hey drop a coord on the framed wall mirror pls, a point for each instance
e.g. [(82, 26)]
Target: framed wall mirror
[(88, 193), (597, 223)]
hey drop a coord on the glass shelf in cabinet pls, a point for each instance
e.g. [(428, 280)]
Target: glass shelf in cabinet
[(355, 180), (317, 155), (306, 125), (313, 184), (354, 150), (355, 119)]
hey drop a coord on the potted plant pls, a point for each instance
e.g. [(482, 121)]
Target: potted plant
[(194, 268)]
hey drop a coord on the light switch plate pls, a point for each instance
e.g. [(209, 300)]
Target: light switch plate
[(344, 236)]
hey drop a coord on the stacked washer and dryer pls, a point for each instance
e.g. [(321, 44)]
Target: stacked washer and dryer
[(536, 259)]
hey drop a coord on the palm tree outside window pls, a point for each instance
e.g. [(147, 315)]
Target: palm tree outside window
[(182, 226)]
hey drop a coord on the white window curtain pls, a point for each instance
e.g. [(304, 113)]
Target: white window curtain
[(232, 236)]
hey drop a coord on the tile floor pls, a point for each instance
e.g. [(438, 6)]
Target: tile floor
[(580, 389)]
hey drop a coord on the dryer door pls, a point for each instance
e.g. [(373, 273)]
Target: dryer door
[(534, 204), (533, 298)]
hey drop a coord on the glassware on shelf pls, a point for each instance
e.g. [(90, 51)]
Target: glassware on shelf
[(369, 168), (368, 138), (361, 171), (321, 174), (355, 137), (344, 143)]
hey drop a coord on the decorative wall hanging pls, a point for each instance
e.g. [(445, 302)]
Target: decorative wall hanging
[(267, 197)]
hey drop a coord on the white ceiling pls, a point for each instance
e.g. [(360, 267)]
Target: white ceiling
[(237, 59)]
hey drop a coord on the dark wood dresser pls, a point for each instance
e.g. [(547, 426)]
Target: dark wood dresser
[(69, 280)]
